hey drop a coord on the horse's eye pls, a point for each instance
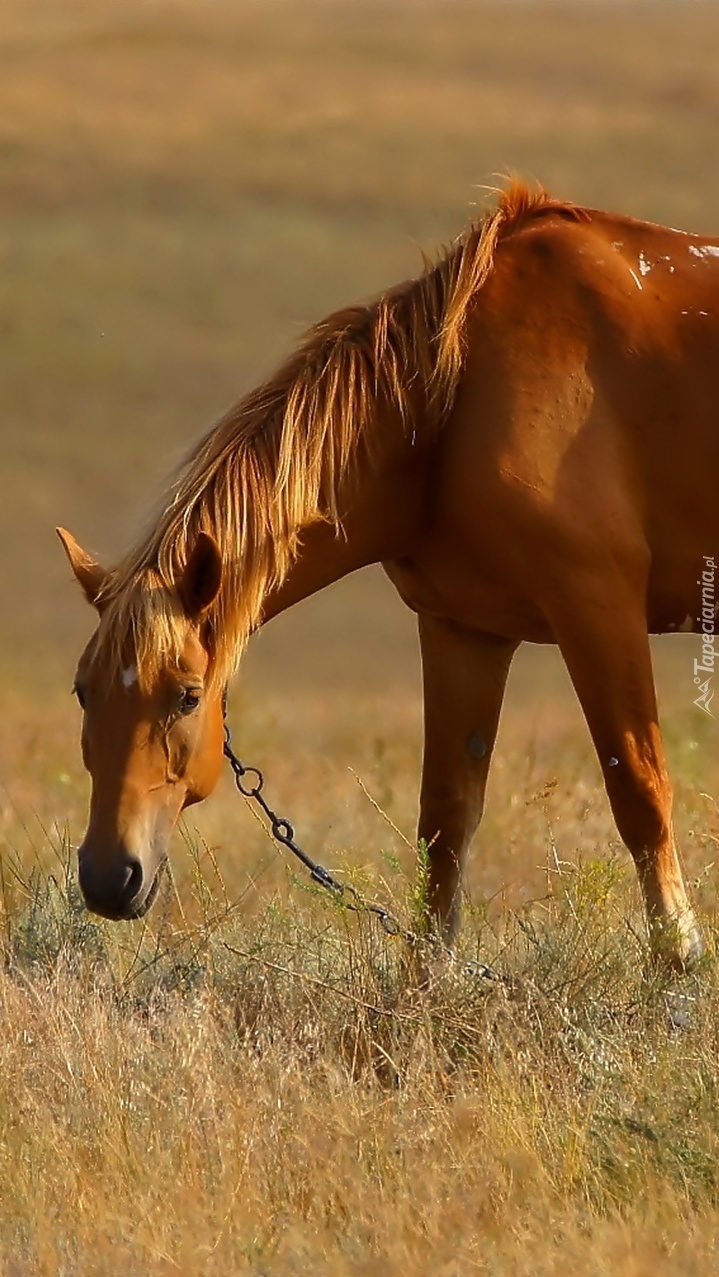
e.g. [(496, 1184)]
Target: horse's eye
[(80, 694), (190, 698)]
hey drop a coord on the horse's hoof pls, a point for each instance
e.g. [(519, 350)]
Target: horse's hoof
[(695, 949), (678, 944)]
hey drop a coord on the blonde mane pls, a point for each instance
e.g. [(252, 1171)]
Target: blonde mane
[(278, 460)]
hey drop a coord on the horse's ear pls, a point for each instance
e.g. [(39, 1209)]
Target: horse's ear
[(200, 582), (90, 574)]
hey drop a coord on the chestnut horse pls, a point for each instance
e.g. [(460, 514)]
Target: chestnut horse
[(527, 438)]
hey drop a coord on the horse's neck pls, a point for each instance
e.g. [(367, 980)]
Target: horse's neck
[(383, 511)]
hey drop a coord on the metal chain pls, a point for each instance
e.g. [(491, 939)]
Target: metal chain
[(283, 833)]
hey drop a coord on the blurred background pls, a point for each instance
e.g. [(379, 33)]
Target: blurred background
[(187, 185)]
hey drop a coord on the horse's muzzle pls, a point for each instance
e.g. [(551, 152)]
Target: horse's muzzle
[(117, 888)]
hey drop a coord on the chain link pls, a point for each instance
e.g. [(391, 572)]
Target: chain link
[(283, 832)]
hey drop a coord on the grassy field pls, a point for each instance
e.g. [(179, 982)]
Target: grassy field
[(243, 1083)]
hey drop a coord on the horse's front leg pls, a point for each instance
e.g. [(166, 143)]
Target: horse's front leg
[(601, 631), (465, 674)]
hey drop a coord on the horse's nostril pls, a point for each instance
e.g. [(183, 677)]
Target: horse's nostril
[(133, 883), (112, 887)]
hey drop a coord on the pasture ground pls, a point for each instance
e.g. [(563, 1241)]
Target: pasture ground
[(242, 1083)]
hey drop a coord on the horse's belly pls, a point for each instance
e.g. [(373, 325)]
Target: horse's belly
[(685, 600)]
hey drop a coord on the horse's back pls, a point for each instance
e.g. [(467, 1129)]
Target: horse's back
[(586, 428)]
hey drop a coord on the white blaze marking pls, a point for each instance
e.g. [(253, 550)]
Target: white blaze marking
[(129, 676), (644, 265)]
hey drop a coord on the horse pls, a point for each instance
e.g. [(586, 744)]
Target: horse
[(525, 437)]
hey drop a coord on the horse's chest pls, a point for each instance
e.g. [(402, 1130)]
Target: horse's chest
[(443, 586)]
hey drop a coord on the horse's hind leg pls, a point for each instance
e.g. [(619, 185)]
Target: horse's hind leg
[(465, 674), (602, 634)]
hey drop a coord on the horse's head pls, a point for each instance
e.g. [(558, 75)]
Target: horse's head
[(152, 743)]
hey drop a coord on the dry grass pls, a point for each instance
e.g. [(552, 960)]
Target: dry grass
[(262, 1095), (244, 1083)]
